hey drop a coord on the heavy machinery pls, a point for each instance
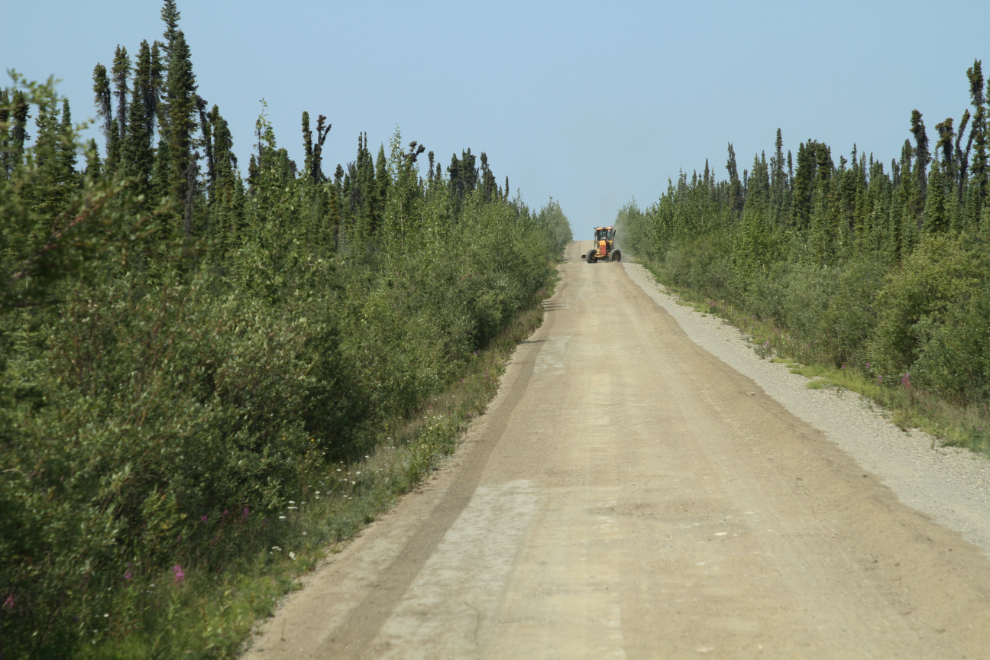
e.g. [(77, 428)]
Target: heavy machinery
[(604, 249)]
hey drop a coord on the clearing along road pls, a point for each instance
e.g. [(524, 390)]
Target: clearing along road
[(628, 495)]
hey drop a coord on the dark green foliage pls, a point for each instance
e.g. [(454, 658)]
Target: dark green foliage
[(170, 16), (181, 86), (19, 113), (735, 187), (138, 156), (103, 98), (120, 73), (978, 138)]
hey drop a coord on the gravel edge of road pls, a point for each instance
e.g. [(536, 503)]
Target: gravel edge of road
[(949, 484)]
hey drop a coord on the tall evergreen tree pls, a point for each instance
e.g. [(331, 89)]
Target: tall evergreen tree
[(803, 182), (147, 81), (921, 154), (170, 15), (137, 154), (120, 73), (94, 168), (382, 183), (322, 130), (307, 145), (777, 180), (735, 186), (207, 140), (962, 157), (155, 83), (103, 99), (944, 145), (978, 136), (181, 85), (488, 183), (935, 217), (225, 162)]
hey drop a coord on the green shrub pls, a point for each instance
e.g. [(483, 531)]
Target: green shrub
[(954, 355), (941, 274)]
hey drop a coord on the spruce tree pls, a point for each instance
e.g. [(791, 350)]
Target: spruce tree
[(322, 130), (382, 184), (207, 140), (803, 182), (147, 80), (488, 184), (921, 154), (225, 163), (103, 99), (170, 15), (307, 146), (944, 144), (777, 180), (962, 157), (94, 168), (156, 83), (66, 148), (935, 219), (55, 159), (181, 85), (137, 154), (120, 73), (735, 186), (978, 137)]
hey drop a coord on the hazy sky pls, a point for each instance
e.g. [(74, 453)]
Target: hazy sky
[(593, 104)]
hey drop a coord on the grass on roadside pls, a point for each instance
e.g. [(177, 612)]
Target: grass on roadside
[(194, 614)]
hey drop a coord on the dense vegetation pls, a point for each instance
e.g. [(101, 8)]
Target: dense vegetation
[(181, 349), (881, 271)]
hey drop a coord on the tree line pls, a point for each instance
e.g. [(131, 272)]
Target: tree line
[(861, 264)]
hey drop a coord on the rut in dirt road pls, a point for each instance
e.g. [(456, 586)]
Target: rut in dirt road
[(628, 495)]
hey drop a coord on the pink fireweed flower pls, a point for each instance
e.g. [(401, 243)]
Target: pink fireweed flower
[(906, 379), (245, 513), (128, 575), (9, 603), (204, 518), (180, 575)]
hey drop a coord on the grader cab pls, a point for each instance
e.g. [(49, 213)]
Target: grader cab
[(604, 249)]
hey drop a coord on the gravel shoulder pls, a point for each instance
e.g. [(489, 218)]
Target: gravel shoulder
[(950, 484)]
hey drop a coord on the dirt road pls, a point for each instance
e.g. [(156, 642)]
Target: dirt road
[(628, 495)]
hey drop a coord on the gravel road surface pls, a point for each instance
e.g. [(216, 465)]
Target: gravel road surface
[(644, 486)]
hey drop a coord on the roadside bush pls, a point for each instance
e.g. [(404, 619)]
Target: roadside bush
[(943, 273), (954, 355), (703, 264)]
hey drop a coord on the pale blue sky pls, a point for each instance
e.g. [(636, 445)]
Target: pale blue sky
[(590, 103)]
